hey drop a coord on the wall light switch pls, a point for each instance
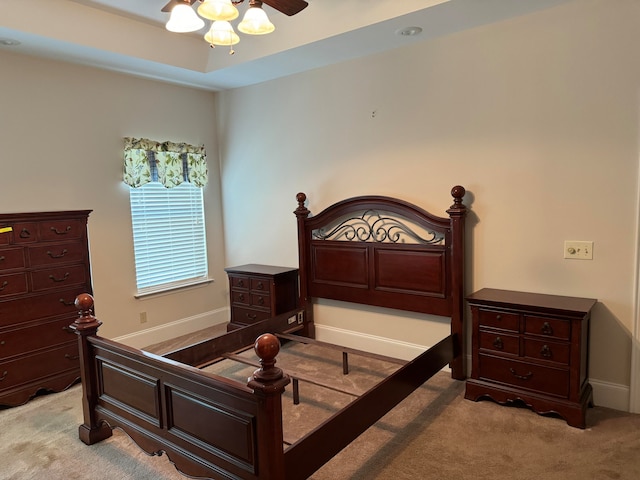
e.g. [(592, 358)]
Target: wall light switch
[(578, 250)]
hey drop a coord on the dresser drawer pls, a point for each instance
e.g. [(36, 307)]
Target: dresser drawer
[(56, 253), (548, 351), (497, 319), (12, 258), (499, 342), (40, 365), (40, 307), (549, 327), (57, 230), (547, 380), (25, 232), (248, 315), (13, 284), (23, 340), (58, 277)]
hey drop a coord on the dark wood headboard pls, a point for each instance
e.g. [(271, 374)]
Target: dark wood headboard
[(384, 252)]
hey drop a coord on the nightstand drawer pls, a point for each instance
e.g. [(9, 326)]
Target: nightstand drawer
[(242, 283), (240, 298), (248, 315), (547, 380), (497, 319), (499, 342), (549, 327), (548, 351)]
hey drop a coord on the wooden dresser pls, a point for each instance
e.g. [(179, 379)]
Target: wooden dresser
[(44, 265), (533, 348), (259, 292)]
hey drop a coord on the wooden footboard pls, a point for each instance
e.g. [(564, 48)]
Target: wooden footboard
[(207, 425)]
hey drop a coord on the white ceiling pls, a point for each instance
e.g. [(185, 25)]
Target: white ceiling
[(129, 35)]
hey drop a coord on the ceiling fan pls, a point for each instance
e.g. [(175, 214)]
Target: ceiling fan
[(288, 7)]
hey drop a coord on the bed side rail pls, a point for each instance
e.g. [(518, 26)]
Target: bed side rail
[(316, 448), (207, 425)]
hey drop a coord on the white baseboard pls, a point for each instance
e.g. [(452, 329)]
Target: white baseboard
[(370, 343), (610, 395), (171, 330)]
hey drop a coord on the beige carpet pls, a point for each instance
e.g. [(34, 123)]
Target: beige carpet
[(433, 434)]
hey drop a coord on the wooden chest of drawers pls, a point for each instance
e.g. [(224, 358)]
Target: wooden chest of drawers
[(532, 348), (44, 265), (259, 292)]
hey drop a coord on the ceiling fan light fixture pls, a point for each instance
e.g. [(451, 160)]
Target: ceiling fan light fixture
[(218, 10), (221, 33), (183, 19), (255, 21)]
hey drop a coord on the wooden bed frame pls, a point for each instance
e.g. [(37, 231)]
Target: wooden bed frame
[(368, 250)]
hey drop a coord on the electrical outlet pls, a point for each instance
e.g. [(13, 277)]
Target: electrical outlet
[(143, 317), (578, 250)]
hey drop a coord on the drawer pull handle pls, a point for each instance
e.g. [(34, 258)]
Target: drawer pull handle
[(241, 283), (4, 375), (52, 255), (545, 351), (53, 278), (4, 284), (498, 317), (2, 342), (71, 357), (241, 297), (546, 328), (498, 343), (24, 233), (61, 232), (260, 285), (68, 304), (251, 316), (521, 377), (261, 300), (2, 258)]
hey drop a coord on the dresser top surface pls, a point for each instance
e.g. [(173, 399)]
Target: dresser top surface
[(532, 301)]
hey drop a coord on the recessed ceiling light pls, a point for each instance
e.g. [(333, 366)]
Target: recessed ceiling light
[(9, 42), (409, 31)]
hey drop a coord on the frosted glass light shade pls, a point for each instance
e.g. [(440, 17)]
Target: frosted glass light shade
[(256, 22), (221, 33), (218, 10), (183, 19)]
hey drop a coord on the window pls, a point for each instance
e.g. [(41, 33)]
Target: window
[(168, 235), (167, 213)]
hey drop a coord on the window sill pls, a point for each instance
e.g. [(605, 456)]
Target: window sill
[(170, 289)]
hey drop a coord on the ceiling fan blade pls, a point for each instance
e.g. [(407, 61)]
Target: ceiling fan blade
[(169, 6), (288, 7)]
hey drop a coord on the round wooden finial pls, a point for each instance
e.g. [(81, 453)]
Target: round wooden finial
[(85, 321), (267, 347), (84, 302), (458, 192)]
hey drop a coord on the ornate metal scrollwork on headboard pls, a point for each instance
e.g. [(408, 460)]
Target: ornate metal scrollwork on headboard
[(376, 227)]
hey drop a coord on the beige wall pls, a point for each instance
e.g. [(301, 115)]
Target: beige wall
[(537, 117), (61, 130)]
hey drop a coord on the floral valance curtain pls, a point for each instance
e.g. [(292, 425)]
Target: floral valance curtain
[(167, 163)]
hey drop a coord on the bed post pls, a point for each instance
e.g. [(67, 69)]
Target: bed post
[(457, 213), (85, 326), (268, 384), (303, 251)]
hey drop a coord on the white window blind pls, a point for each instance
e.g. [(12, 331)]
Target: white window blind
[(168, 236)]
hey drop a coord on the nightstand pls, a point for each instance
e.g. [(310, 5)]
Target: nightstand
[(533, 348), (258, 292)]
